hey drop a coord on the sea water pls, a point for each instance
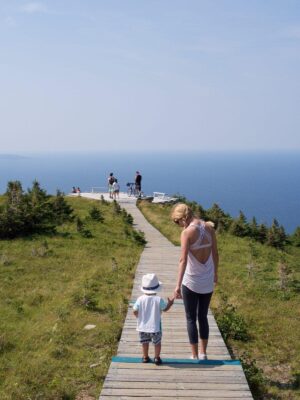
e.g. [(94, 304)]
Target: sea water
[(264, 185)]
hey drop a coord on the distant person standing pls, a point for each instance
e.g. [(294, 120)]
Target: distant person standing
[(138, 183), (110, 182), (116, 189)]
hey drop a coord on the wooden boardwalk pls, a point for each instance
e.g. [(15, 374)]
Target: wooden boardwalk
[(177, 378)]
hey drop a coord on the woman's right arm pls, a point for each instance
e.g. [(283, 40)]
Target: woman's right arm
[(182, 262), (215, 253)]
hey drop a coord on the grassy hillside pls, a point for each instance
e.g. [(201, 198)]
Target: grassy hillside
[(256, 302), (52, 286)]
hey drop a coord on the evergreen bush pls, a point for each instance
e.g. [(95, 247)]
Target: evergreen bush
[(32, 212), (96, 214), (218, 216), (231, 324), (139, 237)]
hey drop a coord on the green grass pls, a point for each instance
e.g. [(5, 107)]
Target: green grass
[(51, 287), (271, 314)]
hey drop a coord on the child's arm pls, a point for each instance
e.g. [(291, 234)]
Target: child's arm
[(170, 303), (136, 308)]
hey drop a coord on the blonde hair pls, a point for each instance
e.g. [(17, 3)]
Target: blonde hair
[(181, 210)]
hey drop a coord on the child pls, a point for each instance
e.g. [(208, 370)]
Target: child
[(116, 189), (148, 309)]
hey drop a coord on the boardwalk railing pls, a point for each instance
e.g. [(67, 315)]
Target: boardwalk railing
[(99, 189)]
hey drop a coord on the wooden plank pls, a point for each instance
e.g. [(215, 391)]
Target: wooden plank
[(187, 393), (166, 397), (175, 367), (181, 375), (117, 384)]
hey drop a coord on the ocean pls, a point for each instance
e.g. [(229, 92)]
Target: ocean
[(264, 185)]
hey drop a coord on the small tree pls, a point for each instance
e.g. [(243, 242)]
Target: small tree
[(295, 237), (79, 225), (96, 214), (253, 229), (200, 211), (116, 207), (31, 212), (14, 193), (276, 236), (239, 226), (262, 233), (218, 216), (127, 218), (62, 211)]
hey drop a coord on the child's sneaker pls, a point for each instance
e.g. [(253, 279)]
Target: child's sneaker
[(146, 359), (157, 360)]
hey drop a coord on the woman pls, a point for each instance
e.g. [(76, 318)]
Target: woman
[(197, 274)]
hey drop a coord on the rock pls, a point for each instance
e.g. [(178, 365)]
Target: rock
[(89, 327)]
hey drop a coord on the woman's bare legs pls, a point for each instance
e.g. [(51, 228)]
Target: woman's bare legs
[(203, 346)]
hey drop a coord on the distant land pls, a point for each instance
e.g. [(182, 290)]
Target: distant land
[(11, 157)]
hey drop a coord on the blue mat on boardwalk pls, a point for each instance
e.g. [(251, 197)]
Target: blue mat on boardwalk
[(178, 361)]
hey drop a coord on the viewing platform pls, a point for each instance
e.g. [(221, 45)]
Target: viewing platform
[(178, 377), (96, 193)]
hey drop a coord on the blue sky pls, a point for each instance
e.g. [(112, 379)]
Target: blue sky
[(149, 75)]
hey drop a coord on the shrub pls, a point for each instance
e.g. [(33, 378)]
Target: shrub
[(103, 201), (231, 324), (276, 236), (139, 237), (80, 227), (254, 376), (87, 300), (62, 211), (96, 214), (239, 226), (218, 216), (31, 212), (128, 218), (295, 237), (116, 208)]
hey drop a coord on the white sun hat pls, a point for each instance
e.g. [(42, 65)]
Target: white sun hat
[(150, 284)]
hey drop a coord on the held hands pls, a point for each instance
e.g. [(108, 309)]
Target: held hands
[(171, 301)]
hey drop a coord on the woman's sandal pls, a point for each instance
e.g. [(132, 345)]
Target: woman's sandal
[(145, 359), (157, 360)]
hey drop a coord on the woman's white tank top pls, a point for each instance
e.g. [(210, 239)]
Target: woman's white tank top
[(199, 277)]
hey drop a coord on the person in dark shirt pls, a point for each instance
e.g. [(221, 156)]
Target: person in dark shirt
[(110, 181), (138, 183)]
